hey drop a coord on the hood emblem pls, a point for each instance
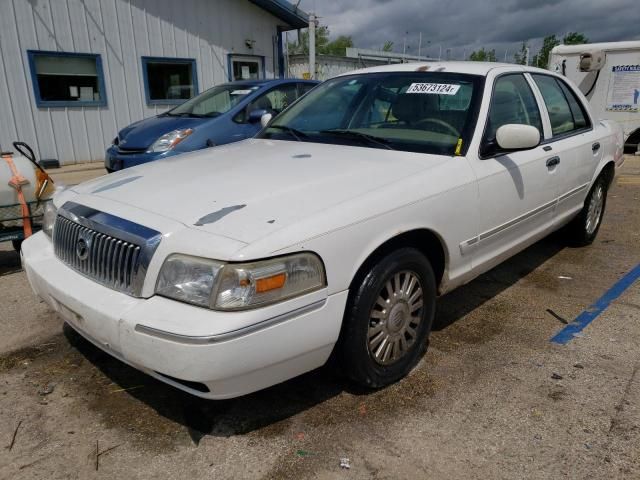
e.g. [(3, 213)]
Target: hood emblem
[(82, 249)]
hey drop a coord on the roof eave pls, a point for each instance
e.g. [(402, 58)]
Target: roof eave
[(285, 11)]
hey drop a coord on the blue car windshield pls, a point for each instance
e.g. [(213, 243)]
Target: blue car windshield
[(214, 102), (427, 112)]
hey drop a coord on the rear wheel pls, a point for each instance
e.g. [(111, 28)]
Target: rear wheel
[(388, 319), (583, 229)]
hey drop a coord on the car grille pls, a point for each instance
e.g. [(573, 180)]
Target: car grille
[(108, 260)]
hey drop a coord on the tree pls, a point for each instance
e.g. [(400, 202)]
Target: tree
[(521, 57), (338, 46), (388, 46), (302, 45), (541, 59), (483, 55), (323, 45), (575, 38)]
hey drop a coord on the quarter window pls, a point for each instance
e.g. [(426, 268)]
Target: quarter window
[(512, 102), (565, 112), (169, 80), (63, 79)]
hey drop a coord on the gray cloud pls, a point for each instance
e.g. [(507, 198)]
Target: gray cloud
[(464, 25)]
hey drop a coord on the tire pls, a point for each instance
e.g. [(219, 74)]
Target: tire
[(582, 230), (365, 356), (17, 245)]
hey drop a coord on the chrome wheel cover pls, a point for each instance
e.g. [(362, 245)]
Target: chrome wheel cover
[(395, 318), (594, 210)]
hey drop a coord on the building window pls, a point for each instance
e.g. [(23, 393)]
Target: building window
[(246, 67), (169, 81), (63, 79)]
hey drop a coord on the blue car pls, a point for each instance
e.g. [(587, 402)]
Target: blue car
[(223, 114)]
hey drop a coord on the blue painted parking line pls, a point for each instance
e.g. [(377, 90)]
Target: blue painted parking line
[(594, 310)]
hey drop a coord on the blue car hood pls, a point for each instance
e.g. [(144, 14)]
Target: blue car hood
[(140, 135)]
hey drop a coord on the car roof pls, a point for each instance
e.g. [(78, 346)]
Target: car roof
[(469, 67)]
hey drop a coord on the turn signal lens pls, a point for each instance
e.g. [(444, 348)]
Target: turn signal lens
[(270, 283)]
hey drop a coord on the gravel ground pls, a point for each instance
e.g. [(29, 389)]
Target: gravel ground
[(492, 398)]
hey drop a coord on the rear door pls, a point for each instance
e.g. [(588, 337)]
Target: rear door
[(516, 190), (572, 142)]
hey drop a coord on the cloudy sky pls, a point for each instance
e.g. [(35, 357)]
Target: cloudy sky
[(465, 25)]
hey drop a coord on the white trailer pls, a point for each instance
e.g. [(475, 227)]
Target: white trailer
[(609, 76)]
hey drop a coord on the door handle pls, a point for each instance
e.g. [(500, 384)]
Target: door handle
[(595, 147), (553, 161)]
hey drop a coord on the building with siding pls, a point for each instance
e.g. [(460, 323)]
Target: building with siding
[(74, 72)]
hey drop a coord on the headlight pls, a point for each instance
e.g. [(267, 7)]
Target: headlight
[(170, 140), (238, 286), (49, 217)]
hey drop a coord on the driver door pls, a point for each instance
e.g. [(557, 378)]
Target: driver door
[(517, 191)]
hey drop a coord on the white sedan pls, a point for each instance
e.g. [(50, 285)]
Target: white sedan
[(231, 269)]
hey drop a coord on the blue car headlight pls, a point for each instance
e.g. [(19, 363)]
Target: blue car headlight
[(168, 141)]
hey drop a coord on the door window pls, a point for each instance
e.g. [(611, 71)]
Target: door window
[(512, 102), (565, 111), (274, 101)]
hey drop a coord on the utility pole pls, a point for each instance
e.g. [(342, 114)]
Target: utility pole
[(420, 45), (526, 56), (440, 53), (404, 48), (312, 46)]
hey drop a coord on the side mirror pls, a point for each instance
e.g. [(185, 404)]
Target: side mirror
[(256, 115), (265, 119), (515, 136)]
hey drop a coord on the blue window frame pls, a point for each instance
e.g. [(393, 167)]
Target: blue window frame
[(245, 67), (169, 81), (65, 79)]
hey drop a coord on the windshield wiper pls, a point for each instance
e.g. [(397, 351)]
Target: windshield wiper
[(185, 114), (298, 134), (372, 139)]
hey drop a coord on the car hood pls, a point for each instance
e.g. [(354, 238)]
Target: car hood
[(141, 135), (247, 190)]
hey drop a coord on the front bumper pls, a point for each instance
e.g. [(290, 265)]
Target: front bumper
[(115, 159), (156, 335)]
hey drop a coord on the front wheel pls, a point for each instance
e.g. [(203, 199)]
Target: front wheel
[(584, 227), (17, 245), (388, 319)]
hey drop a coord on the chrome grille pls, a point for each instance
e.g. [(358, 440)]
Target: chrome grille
[(108, 260), (108, 249)]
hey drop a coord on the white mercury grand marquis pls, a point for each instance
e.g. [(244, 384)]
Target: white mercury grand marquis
[(227, 270)]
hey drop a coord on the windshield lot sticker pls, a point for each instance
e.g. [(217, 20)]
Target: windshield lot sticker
[(434, 88), (241, 92)]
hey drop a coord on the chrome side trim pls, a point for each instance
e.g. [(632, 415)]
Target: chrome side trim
[(573, 192), (225, 337), (517, 220)]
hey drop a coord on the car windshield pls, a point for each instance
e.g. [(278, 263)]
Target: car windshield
[(214, 102), (427, 112)]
